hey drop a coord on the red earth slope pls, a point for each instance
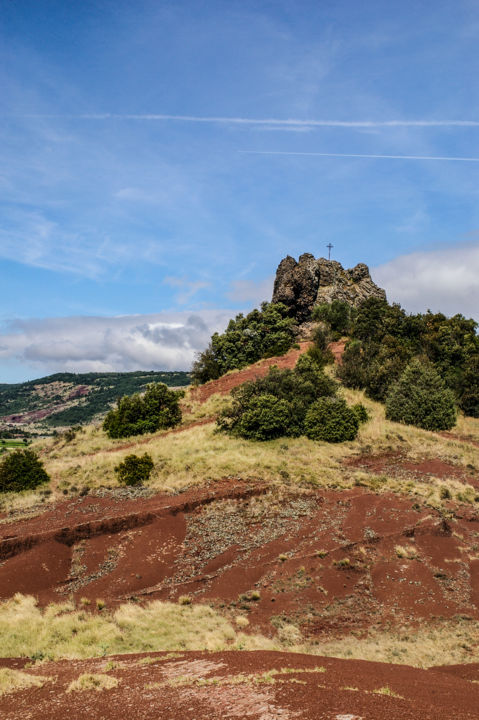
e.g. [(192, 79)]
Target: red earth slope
[(256, 685), (329, 561), (226, 383)]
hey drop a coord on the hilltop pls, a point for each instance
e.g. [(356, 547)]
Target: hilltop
[(303, 284)]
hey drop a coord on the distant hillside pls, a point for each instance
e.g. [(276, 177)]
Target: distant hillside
[(67, 399)]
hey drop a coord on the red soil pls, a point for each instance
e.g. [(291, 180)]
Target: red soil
[(337, 348), (460, 438), (225, 384), (216, 686), (395, 464), (327, 561)]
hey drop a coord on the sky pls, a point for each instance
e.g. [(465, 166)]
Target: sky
[(158, 158)]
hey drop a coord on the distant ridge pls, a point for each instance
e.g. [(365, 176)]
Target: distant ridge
[(65, 399)]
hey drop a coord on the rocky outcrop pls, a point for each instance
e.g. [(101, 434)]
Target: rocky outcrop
[(302, 285)]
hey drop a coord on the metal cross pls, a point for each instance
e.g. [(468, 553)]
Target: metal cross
[(330, 247)]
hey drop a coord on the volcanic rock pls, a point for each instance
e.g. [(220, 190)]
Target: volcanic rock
[(300, 285)]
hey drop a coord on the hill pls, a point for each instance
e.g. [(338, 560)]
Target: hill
[(345, 566), (66, 399)]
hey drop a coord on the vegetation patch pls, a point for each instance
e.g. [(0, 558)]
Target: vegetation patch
[(384, 339), (134, 470), (21, 470), (290, 403), (262, 333), (61, 631), (138, 414), (421, 398), (93, 681), (14, 680)]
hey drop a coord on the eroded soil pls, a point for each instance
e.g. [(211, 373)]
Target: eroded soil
[(256, 685), (327, 561)]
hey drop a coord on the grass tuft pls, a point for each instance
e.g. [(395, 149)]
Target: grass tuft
[(14, 680), (93, 681)]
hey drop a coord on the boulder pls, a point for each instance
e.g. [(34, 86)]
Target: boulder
[(302, 284)]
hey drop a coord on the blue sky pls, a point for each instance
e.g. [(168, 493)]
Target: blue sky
[(158, 159)]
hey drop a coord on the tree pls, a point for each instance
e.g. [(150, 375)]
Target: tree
[(336, 314), (421, 398), (331, 420), (262, 333), (135, 414), (276, 404), (21, 470)]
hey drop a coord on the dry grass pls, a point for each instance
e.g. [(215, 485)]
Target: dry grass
[(449, 642), (194, 410), (93, 681), (406, 551), (197, 454), (14, 680), (61, 631), (200, 454)]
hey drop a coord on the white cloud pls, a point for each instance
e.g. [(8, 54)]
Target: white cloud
[(163, 341), (444, 280)]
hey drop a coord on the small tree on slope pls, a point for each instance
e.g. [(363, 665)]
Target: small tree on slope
[(420, 398)]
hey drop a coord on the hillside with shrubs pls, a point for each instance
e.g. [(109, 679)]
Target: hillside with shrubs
[(315, 491)]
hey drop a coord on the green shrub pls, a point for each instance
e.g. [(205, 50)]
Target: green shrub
[(264, 417), (351, 370), (331, 420), (262, 333), (158, 408), (296, 389), (321, 358), (21, 470), (469, 395), (336, 314), (320, 338), (134, 470), (361, 413), (421, 398)]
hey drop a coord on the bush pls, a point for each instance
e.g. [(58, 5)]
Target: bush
[(331, 420), (351, 370), (421, 398), (158, 408), (292, 391), (21, 470), (320, 338), (469, 398), (262, 333), (336, 314), (134, 470), (361, 413), (263, 417)]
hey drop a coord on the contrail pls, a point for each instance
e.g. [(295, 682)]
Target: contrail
[(358, 155), (278, 122)]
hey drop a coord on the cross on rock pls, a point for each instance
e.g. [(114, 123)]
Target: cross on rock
[(330, 247)]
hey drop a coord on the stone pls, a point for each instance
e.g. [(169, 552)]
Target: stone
[(302, 284)]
